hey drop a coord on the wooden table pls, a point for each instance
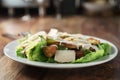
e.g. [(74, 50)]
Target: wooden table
[(106, 28)]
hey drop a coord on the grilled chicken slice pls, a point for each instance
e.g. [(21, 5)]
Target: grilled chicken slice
[(71, 46), (93, 41)]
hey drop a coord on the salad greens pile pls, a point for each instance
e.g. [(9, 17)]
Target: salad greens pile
[(45, 48), (33, 51)]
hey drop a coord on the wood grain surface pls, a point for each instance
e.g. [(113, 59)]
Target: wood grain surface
[(106, 28)]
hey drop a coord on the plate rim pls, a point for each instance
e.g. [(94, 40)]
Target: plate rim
[(59, 66)]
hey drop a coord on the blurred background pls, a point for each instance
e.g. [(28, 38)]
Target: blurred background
[(17, 8), (36, 15)]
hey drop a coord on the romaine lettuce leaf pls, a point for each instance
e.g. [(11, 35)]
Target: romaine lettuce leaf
[(20, 53), (51, 60), (106, 47), (34, 50), (90, 57)]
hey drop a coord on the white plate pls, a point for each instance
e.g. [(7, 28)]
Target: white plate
[(9, 51)]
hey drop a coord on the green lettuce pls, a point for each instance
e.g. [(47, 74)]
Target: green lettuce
[(33, 50), (19, 51), (51, 60), (90, 56), (104, 49)]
